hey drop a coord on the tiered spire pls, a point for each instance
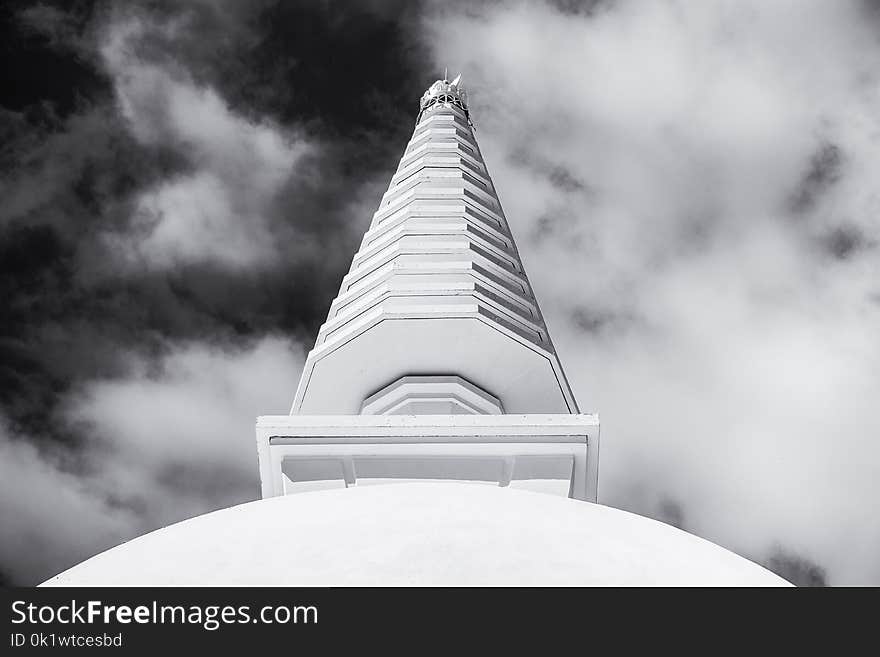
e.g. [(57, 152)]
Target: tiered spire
[(437, 287)]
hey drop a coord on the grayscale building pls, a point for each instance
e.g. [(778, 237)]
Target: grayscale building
[(435, 376), (435, 361)]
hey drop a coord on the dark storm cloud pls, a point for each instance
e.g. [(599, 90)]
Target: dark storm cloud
[(71, 181), (47, 58), (557, 174), (580, 7), (183, 183), (672, 513), (352, 73), (796, 569), (560, 219), (844, 241), (836, 236), (823, 171), (596, 321)]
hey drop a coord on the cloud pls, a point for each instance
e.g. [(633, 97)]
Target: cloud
[(180, 432), (704, 176), (168, 440), (155, 208), (181, 185), (797, 570), (63, 521), (220, 208), (194, 405)]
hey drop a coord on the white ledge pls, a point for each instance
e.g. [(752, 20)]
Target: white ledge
[(446, 446)]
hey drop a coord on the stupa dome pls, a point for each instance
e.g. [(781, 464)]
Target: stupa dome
[(418, 534)]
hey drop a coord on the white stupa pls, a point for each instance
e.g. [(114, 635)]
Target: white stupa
[(433, 438), (419, 534)]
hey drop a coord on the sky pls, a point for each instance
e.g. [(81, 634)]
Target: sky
[(692, 187)]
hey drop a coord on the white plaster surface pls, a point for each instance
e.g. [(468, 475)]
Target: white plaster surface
[(437, 287), (418, 534)]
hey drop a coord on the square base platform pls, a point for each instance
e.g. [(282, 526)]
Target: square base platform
[(300, 449)]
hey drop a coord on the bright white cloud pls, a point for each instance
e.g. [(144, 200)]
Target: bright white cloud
[(199, 408), (63, 520), (686, 166), (170, 440), (180, 436), (219, 210)]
